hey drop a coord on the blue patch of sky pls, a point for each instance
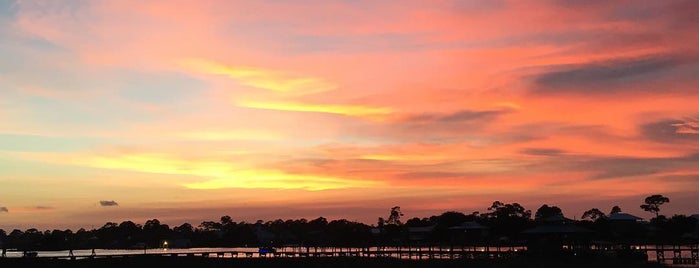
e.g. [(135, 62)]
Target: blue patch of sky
[(76, 114), (86, 97), (8, 9), (32, 143), (26, 56), (156, 88), (131, 86), (22, 51), (31, 44), (11, 165), (59, 81)]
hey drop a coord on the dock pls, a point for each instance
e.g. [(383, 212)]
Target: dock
[(676, 254)]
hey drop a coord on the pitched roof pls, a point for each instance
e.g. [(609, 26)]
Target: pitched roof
[(425, 229), (555, 218), (622, 217), (469, 225), (556, 229)]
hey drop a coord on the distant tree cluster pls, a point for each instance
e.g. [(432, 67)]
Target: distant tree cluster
[(505, 223), (223, 233)]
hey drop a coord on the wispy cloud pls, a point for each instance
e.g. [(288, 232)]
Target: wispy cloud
[(615, 75), (221, 173), (457, 117), (631, 168), (251, 179), (628, 167), (339, 109), (237, 134), (273, 80), (542, 151), (161, 163), (108, 203), (672, 130)]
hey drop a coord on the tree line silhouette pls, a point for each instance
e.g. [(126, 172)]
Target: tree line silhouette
[(505, 223)]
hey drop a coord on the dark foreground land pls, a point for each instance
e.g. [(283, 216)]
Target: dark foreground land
[(176, 262)]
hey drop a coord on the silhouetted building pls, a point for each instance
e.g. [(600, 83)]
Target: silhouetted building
[(179, 243), (263, 236), (623, 217), (627, 228), (694, 234), (417, 234), (556, 234), (469, 231)]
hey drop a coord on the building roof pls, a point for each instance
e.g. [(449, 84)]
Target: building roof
[(622, 217), (693, 234), (425, 229), (555, 219), (469, 225), (556, 229)]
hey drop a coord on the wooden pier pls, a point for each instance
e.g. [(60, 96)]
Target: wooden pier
[(685, 254), (680, 254), (416, 253)]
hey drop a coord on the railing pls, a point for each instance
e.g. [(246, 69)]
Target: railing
[(482, 252), (678, 254)]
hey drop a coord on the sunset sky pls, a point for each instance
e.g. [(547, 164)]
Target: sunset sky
[(114, 110)]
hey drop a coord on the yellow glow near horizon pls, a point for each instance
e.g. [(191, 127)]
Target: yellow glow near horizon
[(278, 180), (163, 164), (375, 113), (224, 174), (262, 78)]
